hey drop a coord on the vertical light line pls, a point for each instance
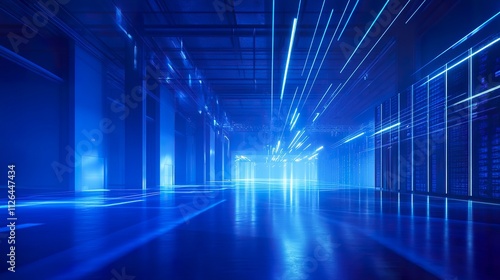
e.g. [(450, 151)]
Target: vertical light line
[(399, 142), (272, 66), (412, 136), (428, 140), (470, 122), (381, 149), (446, 130), (144, 124)]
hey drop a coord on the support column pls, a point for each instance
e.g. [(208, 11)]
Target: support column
[(135, 120)]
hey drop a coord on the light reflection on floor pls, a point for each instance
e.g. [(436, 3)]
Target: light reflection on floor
[(254, 230)]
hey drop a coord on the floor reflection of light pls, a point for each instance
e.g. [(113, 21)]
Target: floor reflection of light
[(470, 236)]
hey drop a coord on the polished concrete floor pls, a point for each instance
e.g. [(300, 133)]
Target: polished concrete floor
[(253, 230)]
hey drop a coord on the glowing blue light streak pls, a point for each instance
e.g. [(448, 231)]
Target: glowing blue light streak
[(294, 28), (366, 34), (470, 34), (319, 149), (326, 52), (313, 156), (387, 128), (354, 137), (296, 135), (299, 134), (349, 18), (315, 57), (117, 203), (324, 95), (462, 60), (272, 62), (415, 12), (293, 125), (307, 147), (477, 95), (298, 10), (366, 56), (317, 115), (314, 35), (293, 117)]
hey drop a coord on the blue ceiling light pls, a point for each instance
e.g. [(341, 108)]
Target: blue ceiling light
[(415, 12), (296, 118), (314, 35), (349, 18), (294, 28), (366, 34)]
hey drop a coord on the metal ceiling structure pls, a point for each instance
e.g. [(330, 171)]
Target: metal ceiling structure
[(239, 50)]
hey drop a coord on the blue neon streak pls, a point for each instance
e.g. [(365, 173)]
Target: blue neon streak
[(334, 94), (272, 64), (298, 10), (117, 203), (373, 47), (314, 35), (349, 18), (366, 34), (326, 52), (477, 95), (354, 137), (317, 115), (315, 57), (415, 12), (288, 57), (470, 34), (323, 97), (293, 117), (293, 125), (387, 128), (464, 59)]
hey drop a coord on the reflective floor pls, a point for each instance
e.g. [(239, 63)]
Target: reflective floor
[(253, 231)]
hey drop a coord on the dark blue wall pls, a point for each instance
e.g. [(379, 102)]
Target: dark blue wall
[(32, 124)]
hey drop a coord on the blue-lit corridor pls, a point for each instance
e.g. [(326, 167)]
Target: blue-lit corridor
[(249, 139)]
